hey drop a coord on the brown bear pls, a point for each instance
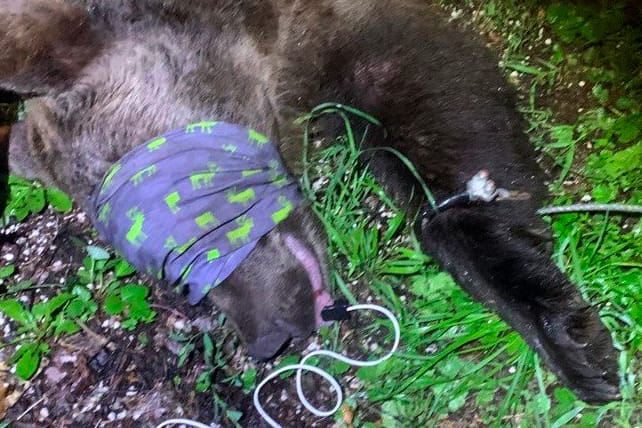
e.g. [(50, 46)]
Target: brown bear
[(102, 77)]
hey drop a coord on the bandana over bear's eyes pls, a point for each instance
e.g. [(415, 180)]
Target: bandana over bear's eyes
[(189, 206)]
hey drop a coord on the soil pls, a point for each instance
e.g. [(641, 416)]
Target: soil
[(107, 376)]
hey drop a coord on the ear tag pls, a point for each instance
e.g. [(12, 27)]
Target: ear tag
[(338, 311)]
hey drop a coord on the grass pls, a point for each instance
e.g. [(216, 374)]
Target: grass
[(459, 361), (577, 70)]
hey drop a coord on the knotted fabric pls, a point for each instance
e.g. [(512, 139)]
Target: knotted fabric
[(189, 206)]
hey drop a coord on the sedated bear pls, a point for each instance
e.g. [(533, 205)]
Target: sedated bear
[(101, 78)]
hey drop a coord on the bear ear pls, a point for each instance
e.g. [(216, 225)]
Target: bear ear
[(44, 44)]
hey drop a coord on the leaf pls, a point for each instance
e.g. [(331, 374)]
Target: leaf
[(45, 310), (457, 402), (123, 269), (82, 292), (234, 415), (249, 379), (36, 201), (18, 313), (129, 324), (185, 352), (601, 93), (542, 404), (29, 361), (523, 68), (59, 200), (7, 271), (97, 253), (76, 308), (131, 293), (604, 193), (204, 381), (208, 346), (113, 304), (65, 326)]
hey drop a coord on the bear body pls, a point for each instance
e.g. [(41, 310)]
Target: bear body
[(122, 72)]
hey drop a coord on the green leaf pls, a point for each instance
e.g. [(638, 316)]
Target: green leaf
[(97, 253), (490, 9), (29, 360), (66, 326), (129, 324), (204, 381), (82, 292), (234, 415), (604, 193), (208, 346), (50, 306), (457, 402), (18, 313), (36, 201), (134, 292), (7, 271), (113, 304), (601, 93), (79, 308), (59, 200), (541, 404), (523, 68), (249, 379), (123, 269)]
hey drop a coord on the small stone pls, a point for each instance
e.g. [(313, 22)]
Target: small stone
[(44, 413), (179, 324), (581, 83), (548, 42)]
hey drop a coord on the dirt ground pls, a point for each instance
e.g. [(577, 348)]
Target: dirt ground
[(106, 376)]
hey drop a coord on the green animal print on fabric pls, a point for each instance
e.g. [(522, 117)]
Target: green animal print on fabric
[(172, 245), (172, 201), (135, 234), (155, 144), (241, 235), (286, 208), (277, 176), (141, 175), (103, 214), (189, 206), (204, 179), (205, 127), (250, 172), (244, 197), (206, 220), (257, 137), (213, 255), (110, 176)]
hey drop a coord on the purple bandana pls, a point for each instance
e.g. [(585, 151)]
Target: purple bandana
[(189, 206)]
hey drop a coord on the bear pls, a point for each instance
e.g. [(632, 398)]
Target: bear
[(101, 78)]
